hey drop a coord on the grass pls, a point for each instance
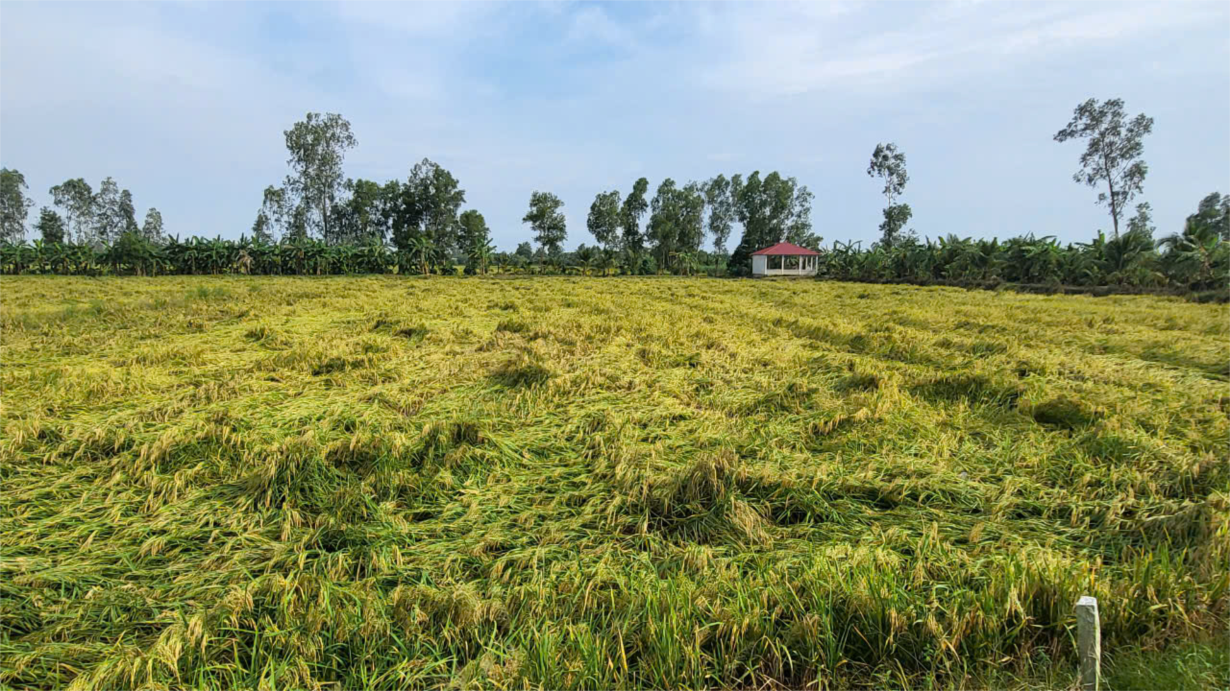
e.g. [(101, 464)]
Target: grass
[(384, 482), (1199, 665)]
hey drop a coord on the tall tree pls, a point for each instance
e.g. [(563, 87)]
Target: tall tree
[(128, 213), (474, 230), (635, 206), (475, 240), (49, 226), (525, 250), (427, 206), (892, 227), (272, 217), (76, 198), (261, 230), (721, 211), (798, 228), (109, 213), (14, 205), (676, 223), (692, 217), (297, 220), (318, 146), (361, 217), (662, 231), (604, 218), (767, 209), (1142, 223), (152, 229), (1113, 154), (545, 217), (888, 164)]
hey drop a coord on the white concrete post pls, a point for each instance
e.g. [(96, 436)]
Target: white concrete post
[(1089, 642)]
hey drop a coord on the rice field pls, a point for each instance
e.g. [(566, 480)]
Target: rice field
[(390, 482)]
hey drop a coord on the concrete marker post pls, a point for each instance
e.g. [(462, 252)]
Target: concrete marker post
[(1089, 642)]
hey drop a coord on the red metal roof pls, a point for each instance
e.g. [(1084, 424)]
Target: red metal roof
[(787, 249)]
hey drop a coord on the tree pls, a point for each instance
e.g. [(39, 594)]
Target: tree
[(425, 250), (474, 228), (475, 240), (1113, 155), (1197, 256), (798, 228), (604, 218), (109, 214), (888, 164), (261, 232), (128, 213), (545, 217), (317, 146), (676, 224), (891, 228), (479, 256), (1213, 212), (1141, 224), (525, 250), (135, 252), (297, 222), (767, 209), (271, 218), (427, 205), (152, 229), (14, 205), (50, 226), (361, 217), (633, 209), (721, 211), (76, 198)]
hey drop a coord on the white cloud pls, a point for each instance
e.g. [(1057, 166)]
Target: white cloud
[(771, 50)]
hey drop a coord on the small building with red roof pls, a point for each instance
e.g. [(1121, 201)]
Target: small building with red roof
[(785, 259)]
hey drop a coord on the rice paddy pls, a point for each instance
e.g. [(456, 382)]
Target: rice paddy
[(384, 482)]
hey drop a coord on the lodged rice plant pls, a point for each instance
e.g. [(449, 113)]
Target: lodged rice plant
[(385, 482)]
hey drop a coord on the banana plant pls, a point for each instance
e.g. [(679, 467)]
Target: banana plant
[(423, 248)]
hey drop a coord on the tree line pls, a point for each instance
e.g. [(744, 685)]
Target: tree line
[(1196, 258), (89, 217), (317, 221)]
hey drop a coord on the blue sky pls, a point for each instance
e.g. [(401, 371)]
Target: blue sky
[(185, 104)]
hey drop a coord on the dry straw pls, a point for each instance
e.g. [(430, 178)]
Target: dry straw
[(584, 483)]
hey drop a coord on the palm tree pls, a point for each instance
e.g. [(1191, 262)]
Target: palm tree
[(606, 261), (1198, 257)]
